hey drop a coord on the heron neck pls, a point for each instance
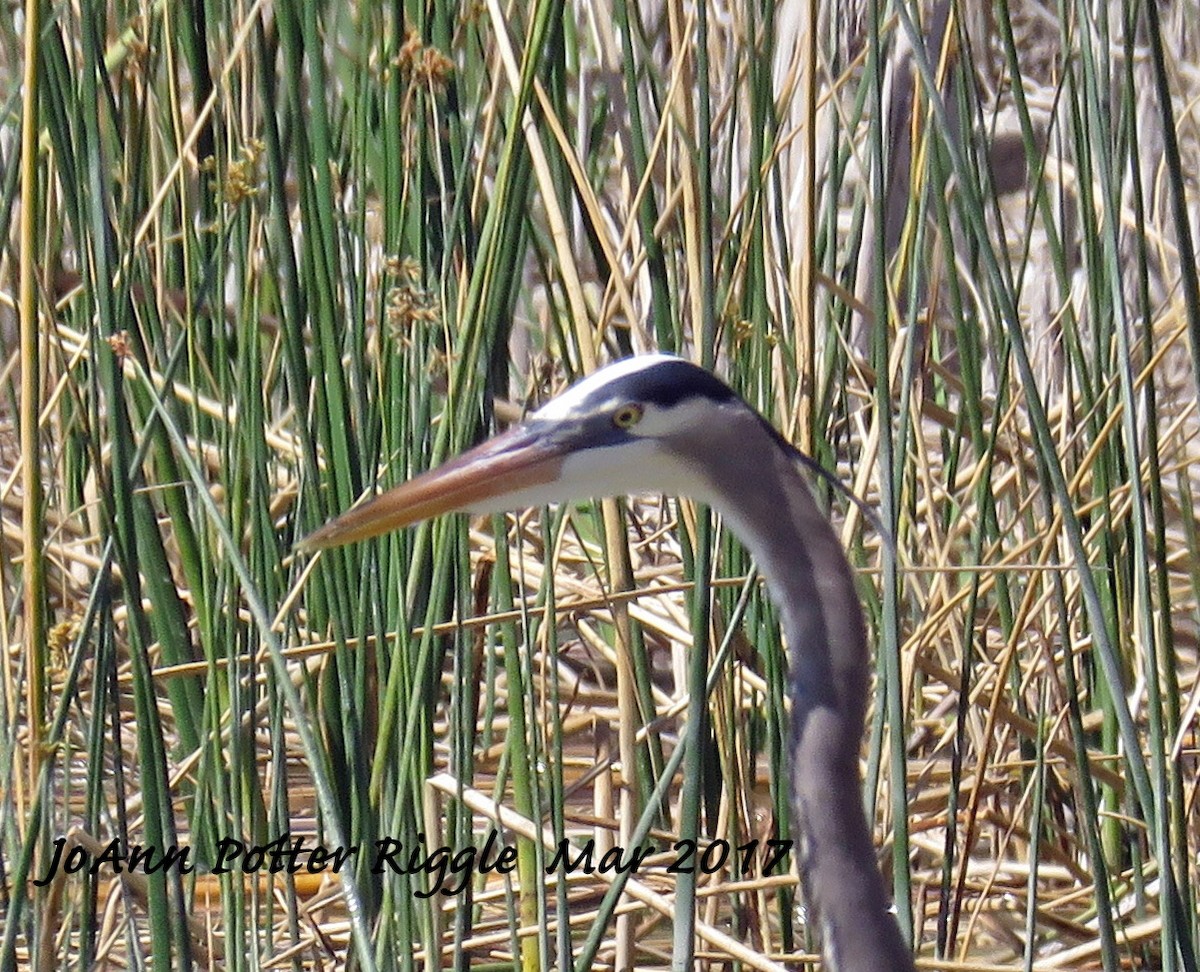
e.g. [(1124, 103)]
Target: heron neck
[(811, 582)]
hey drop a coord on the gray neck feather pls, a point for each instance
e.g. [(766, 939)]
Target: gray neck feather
[(812, 584)]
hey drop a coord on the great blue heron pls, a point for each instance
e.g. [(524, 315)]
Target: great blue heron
[(660, 424)]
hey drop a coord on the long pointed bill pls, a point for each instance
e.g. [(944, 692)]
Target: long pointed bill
[(518, 460)]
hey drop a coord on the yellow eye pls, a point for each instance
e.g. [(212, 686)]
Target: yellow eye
[(627, 416)]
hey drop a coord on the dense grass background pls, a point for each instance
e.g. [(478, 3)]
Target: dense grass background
[(263, 260)]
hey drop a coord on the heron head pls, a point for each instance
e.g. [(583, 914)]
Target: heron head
[(646, 424)]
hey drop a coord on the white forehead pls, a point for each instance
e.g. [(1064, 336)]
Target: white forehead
[(571, 403)]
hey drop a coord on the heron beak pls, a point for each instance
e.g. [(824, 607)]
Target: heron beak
[(518, 460)]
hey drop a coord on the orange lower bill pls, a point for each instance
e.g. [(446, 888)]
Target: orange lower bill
[(514, 461)]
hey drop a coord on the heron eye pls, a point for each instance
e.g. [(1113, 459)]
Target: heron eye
[(627, 416)]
